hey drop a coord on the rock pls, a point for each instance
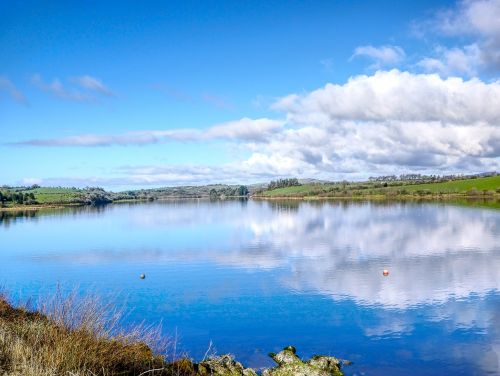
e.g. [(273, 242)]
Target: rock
[(286, 356), (328, 363), (224, 365), (289, 364)]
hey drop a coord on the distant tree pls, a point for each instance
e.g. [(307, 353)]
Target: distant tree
[(96, 196), (283, 183), (242, 190), (5, 196), (18, 197), (213, 193)]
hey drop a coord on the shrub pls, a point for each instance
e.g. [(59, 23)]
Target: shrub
[(472, 192), (80, 337)]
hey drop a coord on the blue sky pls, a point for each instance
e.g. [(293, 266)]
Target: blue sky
[(138, 94)]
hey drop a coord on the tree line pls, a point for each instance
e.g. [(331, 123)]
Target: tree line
[(27, 198), (228, 191), (283, 183)]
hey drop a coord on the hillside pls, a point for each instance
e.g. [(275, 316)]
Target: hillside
[(47, 196), (471, 186)]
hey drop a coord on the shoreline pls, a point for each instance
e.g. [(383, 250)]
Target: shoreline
[(375, 198), (75, 337), (436, 197)]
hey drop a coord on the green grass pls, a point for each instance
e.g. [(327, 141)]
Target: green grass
[(306, 189), (491, 184), (459, 186), (50, 195)]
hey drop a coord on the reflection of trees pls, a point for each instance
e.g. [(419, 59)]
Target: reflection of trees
[(7, 217), (284, 205), (10, 217)]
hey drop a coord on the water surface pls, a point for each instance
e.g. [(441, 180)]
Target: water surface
[(254, 276)]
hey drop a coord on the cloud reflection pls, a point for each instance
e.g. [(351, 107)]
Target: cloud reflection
[(434, 252)]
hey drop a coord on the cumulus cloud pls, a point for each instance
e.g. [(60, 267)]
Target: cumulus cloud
[(57, 89), (392, 121), (397, 96), (8, 87), (471, 16), (387, 122), (455, 60), (382, 56), (477, 19)]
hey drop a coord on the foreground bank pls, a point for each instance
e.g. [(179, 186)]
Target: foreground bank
[(76, 339)]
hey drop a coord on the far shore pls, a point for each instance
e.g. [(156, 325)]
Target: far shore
[(389, 198)]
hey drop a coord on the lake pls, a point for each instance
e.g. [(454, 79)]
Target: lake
[(254, 276)]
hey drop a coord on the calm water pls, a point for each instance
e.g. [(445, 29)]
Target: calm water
[(255, 276)]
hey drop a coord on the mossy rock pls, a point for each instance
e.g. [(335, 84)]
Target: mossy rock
[(224, 365), (289, 364)]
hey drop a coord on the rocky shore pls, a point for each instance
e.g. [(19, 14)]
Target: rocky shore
[(287, 364), (72, 338)]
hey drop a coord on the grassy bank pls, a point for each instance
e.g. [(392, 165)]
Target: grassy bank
[(72, 338), (477, 187), (80, 337)]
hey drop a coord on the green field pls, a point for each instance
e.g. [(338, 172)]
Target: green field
[(50, 195), (300, 190), (460, 186), (490, 184)]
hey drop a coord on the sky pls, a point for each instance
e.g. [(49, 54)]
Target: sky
[(128, 94)]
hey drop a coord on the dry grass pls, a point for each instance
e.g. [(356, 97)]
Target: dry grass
[(79, 337)]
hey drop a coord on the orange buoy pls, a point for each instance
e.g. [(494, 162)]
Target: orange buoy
[(385, 272)]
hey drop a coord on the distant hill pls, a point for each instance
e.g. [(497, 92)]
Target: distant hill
[(481, 184), (469, 186)]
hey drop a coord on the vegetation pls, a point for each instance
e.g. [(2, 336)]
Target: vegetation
[(36, 195), (204, 191), (47, 196), (283, 183), (408, 185), (71, 337), (390, 187), (80, 337)]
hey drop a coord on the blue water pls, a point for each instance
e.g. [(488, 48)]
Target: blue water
[(255, 276)]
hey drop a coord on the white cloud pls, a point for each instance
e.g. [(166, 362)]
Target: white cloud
[(92, 84), (400, 96), (449, 61), (7, 86), (392, 121), (58, 90), (477, 19), (31, 181), (388, 122), (245, 129), (471, 17), (382, 56)]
